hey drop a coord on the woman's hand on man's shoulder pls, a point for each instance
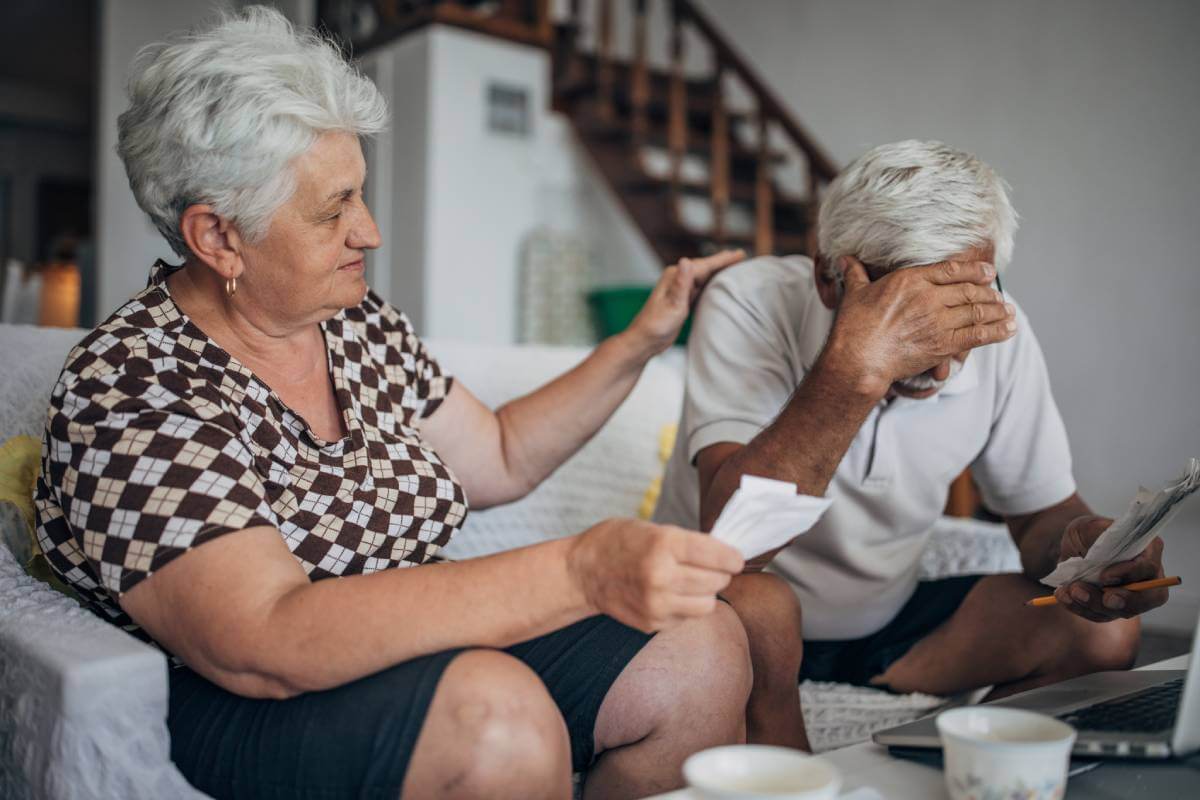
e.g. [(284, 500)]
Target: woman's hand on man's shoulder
[(658, 323)]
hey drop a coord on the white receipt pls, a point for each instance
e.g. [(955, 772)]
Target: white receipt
[(764, 514), (1132, 533)]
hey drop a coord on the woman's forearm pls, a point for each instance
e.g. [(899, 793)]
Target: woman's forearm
[(546, 427), (323, 634)]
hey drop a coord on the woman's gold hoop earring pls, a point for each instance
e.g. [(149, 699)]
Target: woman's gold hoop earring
[(231, 286)]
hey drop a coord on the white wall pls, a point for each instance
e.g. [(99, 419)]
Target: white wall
[(126, 243), (1091, 110), (457, 200)]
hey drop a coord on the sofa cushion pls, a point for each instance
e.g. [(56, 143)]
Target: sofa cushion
[(608, 477)]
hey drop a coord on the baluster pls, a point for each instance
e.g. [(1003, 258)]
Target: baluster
[(542, 22), (604, 66), (639, 83), (677, 99), (764, 229), (719, 161)]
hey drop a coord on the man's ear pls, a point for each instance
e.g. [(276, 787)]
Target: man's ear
[(827, 284), (212, 239)]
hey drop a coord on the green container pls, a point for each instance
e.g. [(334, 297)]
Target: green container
[(614, 307)]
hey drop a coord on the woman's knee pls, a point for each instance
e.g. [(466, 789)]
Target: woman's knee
[(717, 653), (492, 731)]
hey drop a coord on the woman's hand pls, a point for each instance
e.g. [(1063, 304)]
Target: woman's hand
[(649, 576), (657, 324)]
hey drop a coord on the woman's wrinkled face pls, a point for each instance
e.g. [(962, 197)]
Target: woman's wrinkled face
[(310, 264)]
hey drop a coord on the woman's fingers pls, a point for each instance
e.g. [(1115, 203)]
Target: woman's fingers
[(708, 266), (698, 581), (702, 550)]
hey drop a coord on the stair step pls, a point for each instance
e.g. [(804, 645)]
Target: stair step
[(743, 160), (743, 192), (705, 241)]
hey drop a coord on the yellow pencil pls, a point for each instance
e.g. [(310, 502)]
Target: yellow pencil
[(1133, 587)]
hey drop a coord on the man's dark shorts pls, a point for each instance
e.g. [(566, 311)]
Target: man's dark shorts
[(858, 660)]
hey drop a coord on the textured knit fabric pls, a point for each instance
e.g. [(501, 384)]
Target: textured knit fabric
[(158, 440)]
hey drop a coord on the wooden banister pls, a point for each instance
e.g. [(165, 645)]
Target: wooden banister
[(639, 75), (604, 65), (727, 55), (719, 160), (677, 102), (764, 212)]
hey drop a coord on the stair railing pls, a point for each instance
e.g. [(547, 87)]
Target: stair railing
[(769, 112)]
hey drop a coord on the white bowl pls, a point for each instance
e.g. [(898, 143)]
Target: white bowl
[(758, 772), (1004, 752)]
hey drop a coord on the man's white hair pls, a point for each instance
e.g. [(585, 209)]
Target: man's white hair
[(216, 116), (915, 202)]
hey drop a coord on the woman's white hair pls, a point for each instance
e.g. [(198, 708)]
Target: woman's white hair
[(217, 115), (915, 202)]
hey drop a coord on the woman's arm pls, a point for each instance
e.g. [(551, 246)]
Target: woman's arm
[(240, 610), (501, 456)]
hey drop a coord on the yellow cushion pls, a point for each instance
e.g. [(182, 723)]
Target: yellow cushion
[(666, 444), (19, 459)]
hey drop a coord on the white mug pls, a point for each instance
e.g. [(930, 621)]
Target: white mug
[(759, 772), (1004, 752)]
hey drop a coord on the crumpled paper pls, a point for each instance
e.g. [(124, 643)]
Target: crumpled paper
[(1132, 533), (764, 514)]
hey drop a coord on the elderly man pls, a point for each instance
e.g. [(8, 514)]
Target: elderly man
[(877, 375)]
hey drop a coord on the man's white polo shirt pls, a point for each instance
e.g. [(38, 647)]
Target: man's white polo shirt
[(757, 332)]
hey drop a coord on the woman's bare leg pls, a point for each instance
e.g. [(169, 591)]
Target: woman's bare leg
[(493, 732), (685, 691)]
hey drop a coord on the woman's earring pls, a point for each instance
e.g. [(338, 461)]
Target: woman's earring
[(231, 286)]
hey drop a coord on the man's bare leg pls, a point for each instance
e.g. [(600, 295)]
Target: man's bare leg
[(685, 691), (770, 613), (994, 639)]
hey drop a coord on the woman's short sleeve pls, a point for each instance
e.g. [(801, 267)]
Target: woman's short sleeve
[(127, 487), (409, 363)]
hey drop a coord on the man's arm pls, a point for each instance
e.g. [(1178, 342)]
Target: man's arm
[(898, 326), (1039, 536)]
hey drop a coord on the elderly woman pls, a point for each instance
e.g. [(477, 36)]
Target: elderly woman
[(256, 424)]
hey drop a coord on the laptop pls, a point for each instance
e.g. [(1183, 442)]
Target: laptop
[(1145, 714)]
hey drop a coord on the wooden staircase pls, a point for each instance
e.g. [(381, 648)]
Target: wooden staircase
[(695, 169)]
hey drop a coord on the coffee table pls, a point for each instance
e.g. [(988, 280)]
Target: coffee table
[(868, 764)]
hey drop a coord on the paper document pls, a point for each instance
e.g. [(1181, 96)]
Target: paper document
[(764, 514), (1132, 533)]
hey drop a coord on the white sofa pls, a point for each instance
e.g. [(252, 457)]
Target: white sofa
[(83, 705)]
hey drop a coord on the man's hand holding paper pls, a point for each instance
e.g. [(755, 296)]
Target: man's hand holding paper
[(1100, 555)]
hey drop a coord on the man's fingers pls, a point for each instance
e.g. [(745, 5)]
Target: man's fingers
[(981, 334), (947, 272), (978, 314), (702, 550), (957, 294), (1138, 569)]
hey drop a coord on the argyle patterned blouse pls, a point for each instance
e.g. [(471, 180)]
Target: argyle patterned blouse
[(157, 441)]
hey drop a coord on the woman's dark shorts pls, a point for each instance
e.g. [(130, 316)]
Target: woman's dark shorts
[(858, 660), (356, 740)]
